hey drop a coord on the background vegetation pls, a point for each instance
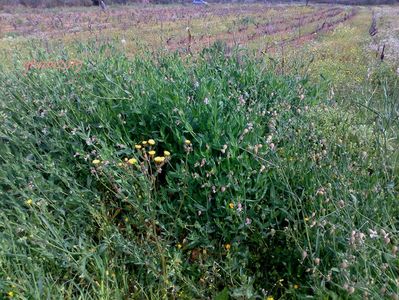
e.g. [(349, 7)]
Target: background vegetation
[(55, 3)]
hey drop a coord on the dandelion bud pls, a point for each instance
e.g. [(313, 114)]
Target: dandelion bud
[(383, 290), (304, 255), (320, 192), (132, 161), (384, 267), (159, 159), (344, 265)]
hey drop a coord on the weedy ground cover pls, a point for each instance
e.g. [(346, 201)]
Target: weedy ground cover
[(217, 175)]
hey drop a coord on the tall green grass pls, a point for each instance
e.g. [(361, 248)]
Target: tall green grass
[(271, 189)]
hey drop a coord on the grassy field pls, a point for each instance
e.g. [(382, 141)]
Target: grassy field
[(177, 152)]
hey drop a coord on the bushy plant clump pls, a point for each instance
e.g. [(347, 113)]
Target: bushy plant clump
[(165, 177)]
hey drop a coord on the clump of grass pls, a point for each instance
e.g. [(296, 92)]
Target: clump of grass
[(265, 188)]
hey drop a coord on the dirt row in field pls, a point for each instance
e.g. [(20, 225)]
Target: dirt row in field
[(68, 22), (321, 21)]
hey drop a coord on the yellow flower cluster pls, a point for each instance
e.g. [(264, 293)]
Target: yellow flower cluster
[(152, 152), (140, 147)]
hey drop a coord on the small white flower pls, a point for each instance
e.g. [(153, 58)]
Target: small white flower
[(304, 255), (373, 234)]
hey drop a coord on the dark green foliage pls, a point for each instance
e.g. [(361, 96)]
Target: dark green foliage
[(230, 213)]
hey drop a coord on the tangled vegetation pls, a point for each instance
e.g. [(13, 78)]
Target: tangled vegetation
[(199, 177)]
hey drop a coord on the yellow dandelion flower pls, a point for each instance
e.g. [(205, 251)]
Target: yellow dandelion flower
[(151, 142), (132, 161), (269, 298), (96, 162), (187, 142), (144, 142), (138, 147), (231, 205), (126, 219), (10, 294), (306, 219), (166, 153), (151, 153), (29, 201), (179, 246), (227, 246), (159, 159), (296, 286)]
